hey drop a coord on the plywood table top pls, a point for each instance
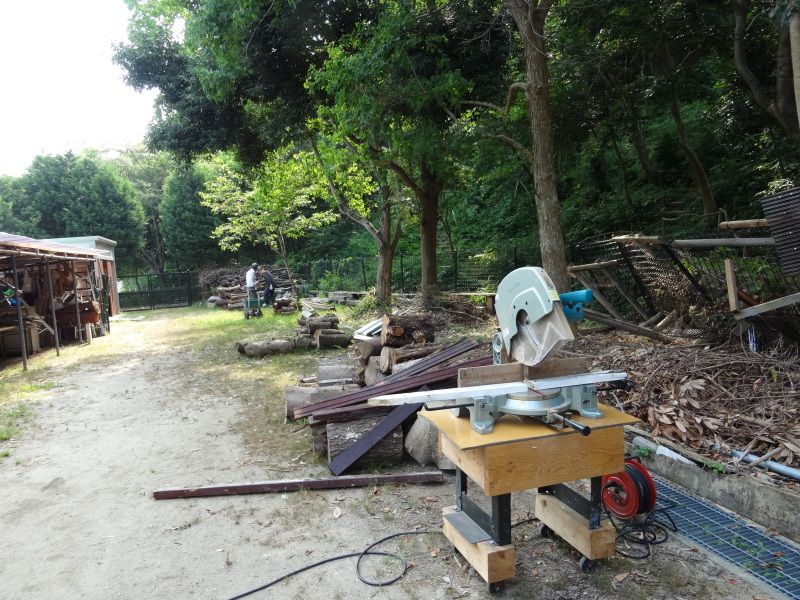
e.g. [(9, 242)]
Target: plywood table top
[(512, 428)]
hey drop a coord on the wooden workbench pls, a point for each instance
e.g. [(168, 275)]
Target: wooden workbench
[(523, 453)]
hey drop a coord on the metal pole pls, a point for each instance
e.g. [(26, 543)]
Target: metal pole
[(402, 277), (52, 306), (77, 304), (23, 346), (188, 288), (150, 291), (455, 270), (364, 273)]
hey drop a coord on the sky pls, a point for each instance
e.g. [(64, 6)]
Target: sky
[(59, 89)]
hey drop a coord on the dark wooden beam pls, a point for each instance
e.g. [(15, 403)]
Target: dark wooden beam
[(362, 445), (292, 485)]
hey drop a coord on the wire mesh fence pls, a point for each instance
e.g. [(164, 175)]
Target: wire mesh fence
[(156, 290), (470, 270)]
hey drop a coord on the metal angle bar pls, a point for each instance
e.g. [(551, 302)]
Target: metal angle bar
[(288, 485), (496, 389)]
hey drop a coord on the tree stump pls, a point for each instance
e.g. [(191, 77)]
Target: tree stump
[(372, 371), (342, 435), (366, 348), (401, 330), (341, 340)]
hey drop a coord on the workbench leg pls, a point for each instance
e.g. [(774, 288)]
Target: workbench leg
[(501, 519), (461, 487)]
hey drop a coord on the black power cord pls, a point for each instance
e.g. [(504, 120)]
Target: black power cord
[(649, 530), (366, 552)]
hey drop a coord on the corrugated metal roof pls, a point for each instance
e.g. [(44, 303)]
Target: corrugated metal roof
[(10, 243)]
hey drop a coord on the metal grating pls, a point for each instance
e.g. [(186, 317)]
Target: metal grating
[(768, 558), (783, 215)]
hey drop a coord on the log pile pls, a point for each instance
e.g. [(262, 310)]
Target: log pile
[(229, 285), (315, 331)]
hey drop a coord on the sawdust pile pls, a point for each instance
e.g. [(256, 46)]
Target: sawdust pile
[(724, 396)]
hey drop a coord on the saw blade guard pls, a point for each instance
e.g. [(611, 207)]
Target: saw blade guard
[(531, 319)]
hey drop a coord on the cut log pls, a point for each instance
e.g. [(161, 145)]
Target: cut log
[(372, 371), (406, 329), (320, 332), (385, 360), (305, 341), (299, 396), (366, 348), (341, 340), (358, 376), (283, 302), (343, 435), (422, 443), (403, 366), (255, 349), (341, 370), (315, 324)]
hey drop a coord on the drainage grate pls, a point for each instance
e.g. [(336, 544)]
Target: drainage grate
[(769, 558)]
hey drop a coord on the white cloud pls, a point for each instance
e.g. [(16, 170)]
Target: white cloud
[(60, 89)]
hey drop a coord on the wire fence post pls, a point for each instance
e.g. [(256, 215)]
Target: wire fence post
[(364, 273), (454, 254)]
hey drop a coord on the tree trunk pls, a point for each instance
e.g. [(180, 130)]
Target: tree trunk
[(428, 223), (794, 37), (341, 340), (530, 16), (650, 175), (698, 172), (366, 348), (372, 371), (342, 435), (775, 107), (255, 349)]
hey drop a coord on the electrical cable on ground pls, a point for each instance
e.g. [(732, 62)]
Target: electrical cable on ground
[(366, 552)]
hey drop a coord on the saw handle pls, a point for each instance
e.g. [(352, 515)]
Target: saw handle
[(579, 427)]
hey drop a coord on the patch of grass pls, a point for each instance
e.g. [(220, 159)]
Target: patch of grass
[(10, 418)]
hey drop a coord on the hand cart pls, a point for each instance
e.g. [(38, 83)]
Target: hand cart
[(252, 307)]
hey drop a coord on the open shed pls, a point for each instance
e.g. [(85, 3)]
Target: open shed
[(52, 291)]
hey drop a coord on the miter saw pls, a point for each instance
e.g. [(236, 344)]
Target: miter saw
[(533, 324)]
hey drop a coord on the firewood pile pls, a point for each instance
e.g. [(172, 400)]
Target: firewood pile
[(229, 285), (400, 355), (710, 399)]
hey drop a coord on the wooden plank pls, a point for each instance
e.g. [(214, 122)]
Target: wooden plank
[(567, 456), (767, 306), (628, 296), (730, 280), (291, 485), (743, 224), (493, 563), (724, 243), (573, 528), (510, 372), (625, 326), (344, 460), (598, 295), (593, 266), (491, 374)]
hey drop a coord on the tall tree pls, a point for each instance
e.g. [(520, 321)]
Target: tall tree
[(188, 224), (530, 17), (285, 202), (148, 171), (79, 196)]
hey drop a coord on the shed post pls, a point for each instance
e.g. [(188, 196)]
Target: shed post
[(52, 306), (23, 346)]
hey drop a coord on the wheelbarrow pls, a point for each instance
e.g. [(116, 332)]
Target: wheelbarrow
[(252, 307)]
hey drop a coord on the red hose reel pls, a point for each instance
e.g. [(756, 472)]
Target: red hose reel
[(630, 492)]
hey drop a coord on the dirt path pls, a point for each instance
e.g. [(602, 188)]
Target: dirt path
[(79, 520)]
